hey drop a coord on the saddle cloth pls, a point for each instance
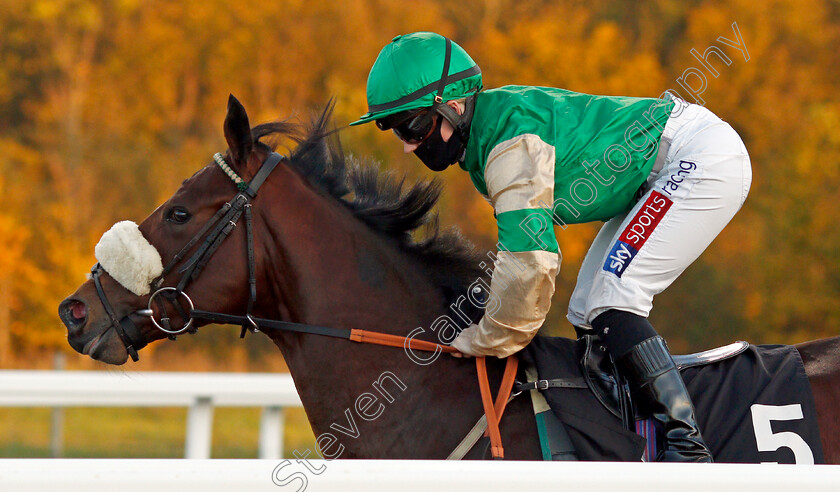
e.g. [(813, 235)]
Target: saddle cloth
[(754, 407)]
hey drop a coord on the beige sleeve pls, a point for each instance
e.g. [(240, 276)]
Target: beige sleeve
[(519, 175), (522, 286)]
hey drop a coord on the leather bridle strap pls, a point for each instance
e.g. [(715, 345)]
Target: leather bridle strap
[(265, 170), (95, 273), (252, 264), (214, 232), (192, 268), (178, 257), (492, 411), (234, 209), (221, 220)]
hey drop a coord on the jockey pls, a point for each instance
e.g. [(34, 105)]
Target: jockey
[(665, 176)]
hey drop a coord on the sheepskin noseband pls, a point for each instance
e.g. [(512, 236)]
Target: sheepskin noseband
[(128, 257)]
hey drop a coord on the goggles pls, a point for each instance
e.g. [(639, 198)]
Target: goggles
[(413, 127)]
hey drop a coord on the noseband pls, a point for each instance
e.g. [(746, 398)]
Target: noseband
[(125, 328), (214, 232)]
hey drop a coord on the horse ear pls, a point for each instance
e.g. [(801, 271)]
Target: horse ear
[(238, 132)]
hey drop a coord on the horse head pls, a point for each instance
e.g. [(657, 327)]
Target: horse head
[(135, 255)]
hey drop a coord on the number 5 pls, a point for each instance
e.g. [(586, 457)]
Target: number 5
[(766, 440)]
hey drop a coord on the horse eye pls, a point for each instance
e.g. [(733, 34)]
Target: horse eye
[(178, 215)]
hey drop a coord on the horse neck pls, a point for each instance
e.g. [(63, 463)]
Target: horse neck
[(330, 269), (327, 267)]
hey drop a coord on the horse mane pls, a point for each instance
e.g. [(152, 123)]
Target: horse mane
[(380, 199)]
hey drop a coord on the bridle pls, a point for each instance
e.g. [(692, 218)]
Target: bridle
[(214, 232)]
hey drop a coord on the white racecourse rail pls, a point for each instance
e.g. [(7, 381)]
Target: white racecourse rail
[(406, 476), (198, 391)]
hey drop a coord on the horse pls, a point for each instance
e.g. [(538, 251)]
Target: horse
[(333, 245)]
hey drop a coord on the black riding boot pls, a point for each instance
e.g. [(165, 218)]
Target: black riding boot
[(644, 359)]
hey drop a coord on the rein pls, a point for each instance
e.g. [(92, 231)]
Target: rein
[(352, 334)]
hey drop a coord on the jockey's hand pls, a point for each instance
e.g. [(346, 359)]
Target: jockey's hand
[(463, 343)]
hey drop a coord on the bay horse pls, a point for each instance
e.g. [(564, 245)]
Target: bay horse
[(332, 246)]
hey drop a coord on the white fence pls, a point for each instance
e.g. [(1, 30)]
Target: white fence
[(406, 476), (201, 392)]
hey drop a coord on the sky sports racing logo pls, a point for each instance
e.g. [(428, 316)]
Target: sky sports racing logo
[(637, 233)]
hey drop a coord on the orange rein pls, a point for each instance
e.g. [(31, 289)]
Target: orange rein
[(364, 336), (492, 410)]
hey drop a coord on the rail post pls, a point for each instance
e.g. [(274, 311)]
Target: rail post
[(272, 421), (57, 416), (199, 429)]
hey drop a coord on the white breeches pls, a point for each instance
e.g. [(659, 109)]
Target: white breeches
[(704, 180)]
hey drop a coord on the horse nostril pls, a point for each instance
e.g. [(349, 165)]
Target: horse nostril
[(73, 313)]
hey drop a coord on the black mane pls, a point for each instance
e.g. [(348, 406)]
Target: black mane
[(382, 200)]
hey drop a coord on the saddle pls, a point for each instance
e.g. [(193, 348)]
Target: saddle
[(584, 411), (603, 379), (603, 410)]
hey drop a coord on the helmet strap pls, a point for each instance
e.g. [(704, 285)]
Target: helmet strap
[(434, 152), (460, 122)]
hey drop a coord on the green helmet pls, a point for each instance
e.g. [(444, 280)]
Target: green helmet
[(408, 74)]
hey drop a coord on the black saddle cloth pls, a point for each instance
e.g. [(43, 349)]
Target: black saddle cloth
[(746, 406)]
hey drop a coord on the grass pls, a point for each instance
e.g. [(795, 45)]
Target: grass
[(140, 432)]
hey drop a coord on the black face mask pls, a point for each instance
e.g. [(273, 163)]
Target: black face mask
[(436, 154)]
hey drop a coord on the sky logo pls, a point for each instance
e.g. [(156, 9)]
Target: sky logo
[(620, 256)]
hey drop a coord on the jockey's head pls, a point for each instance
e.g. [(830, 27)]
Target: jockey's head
[(422, 86)]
